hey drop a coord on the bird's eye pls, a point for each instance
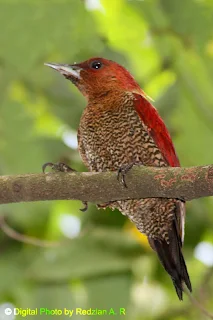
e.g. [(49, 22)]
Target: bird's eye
[(96, 65)]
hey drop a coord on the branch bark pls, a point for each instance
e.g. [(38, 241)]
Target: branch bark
[(100, 187)]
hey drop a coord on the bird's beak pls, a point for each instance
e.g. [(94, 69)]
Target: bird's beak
[(66, 69)]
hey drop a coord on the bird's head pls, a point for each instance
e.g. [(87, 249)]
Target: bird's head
[(97, 76)]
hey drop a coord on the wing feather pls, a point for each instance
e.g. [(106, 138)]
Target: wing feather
[(160, 134), (157, 129)]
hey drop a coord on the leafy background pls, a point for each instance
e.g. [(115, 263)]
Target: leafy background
[(101, 260)]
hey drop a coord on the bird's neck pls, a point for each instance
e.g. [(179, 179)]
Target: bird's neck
[(110, 99)]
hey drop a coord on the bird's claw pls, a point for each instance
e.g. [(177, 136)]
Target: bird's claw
[(62, 167), (59, 166), (122, 171), (104, 205), (181, 199), (84, 209)]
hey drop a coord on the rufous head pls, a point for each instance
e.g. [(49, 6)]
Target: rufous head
[(97, 76)]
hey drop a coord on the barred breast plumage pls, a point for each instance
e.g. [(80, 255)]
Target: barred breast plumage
[(109, 139)]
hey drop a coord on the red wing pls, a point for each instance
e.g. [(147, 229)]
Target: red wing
[(157, 129), (161, 137)]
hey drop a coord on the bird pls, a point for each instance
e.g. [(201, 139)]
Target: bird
[(119, 128)]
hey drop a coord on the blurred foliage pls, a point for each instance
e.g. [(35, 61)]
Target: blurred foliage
[(168, 46)]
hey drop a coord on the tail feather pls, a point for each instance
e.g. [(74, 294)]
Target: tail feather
[(172, 259)]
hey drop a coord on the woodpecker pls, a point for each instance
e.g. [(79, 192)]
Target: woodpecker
[(120, 128)]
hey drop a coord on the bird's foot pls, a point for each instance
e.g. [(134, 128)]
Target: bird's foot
[(122, 171), (104, 205), (62, 167), (181, 199), (58, 167)]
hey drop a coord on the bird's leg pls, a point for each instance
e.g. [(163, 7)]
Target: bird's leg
[(121, 173), (123, 170), (62, 167)]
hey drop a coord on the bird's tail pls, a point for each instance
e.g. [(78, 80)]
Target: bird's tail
[(172, 259)]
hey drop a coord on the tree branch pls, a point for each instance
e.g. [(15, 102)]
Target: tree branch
[(101, 187)]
